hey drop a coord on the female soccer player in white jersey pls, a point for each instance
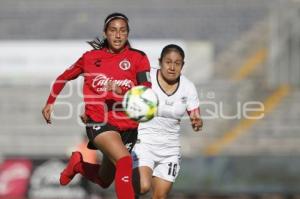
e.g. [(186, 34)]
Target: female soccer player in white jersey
[(156, 155)]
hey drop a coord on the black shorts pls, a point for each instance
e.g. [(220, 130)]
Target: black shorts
[(93, 129)]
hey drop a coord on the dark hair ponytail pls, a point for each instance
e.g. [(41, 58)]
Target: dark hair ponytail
[(98, 43)]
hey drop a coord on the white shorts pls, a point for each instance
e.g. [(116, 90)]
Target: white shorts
[(163, 166)]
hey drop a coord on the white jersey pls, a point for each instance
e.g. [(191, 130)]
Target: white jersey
[(163, 129)]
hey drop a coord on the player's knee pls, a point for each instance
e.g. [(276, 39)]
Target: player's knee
[(145, 187)]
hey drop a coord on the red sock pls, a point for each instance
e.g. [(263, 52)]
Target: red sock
[(90, 171), (123, 178)]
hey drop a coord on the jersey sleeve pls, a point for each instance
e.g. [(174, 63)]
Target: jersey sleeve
[(193, 100), (143, 72), (71, 73)]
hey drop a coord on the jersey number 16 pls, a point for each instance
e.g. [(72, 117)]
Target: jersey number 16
[(172, 169)]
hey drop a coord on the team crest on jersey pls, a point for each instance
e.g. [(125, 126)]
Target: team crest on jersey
[(124, 64), (184, 100)]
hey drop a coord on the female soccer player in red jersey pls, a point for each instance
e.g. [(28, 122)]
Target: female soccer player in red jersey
[(109, 71)]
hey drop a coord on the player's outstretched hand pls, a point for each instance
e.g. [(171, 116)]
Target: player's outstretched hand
[(197, 123), (47, 110), (196, 120)]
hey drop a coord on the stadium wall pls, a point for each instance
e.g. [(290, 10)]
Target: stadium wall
[(41, 61)]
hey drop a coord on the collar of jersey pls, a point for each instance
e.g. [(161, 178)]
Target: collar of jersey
[(163, 89), (111, 53)]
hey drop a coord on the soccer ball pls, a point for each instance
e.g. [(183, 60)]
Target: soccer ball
[(140, 103)]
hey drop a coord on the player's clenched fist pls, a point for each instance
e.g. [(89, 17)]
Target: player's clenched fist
[(197, 123)]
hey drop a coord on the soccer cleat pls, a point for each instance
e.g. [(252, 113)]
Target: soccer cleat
[(69, 172)]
